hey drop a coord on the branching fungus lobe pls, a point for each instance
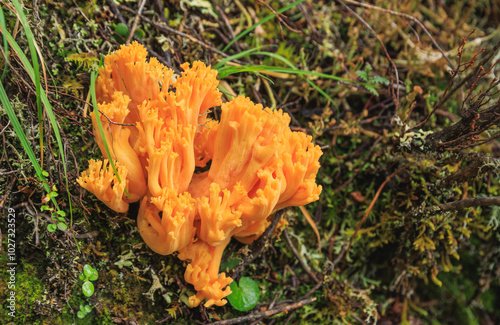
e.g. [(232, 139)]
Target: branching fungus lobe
[(257, 164)]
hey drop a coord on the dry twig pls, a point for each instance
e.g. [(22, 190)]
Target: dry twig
[(466, 203), (282, 308), (166, 29), (136, 22), (299, 258), (395, 88), (257, 247), (392, 12)]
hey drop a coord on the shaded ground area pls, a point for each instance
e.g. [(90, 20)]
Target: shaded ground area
[(406, 112)]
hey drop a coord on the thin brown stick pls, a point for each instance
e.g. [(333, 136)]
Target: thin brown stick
[(113, 122), (116, 11), (136, 22), (375, 198), (257, 247), (166, 29), (466, 203), (266, 313), (475, 72), (280, 18), (227, 24), (301, 261), (337, 259), (313, 290), (392, 12), (5, 127), (393, 65), (454, 73)]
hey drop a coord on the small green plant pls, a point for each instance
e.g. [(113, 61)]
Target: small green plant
[(372, 81), (125, 260), (244, 296), (56, 215), (89, 274), (121, 33), (84, 310), (43, 103)]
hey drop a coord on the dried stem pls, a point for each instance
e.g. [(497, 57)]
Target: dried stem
[(395, 94), (166, 29), (463, 204), (299, 258), (257, 247), (136, 22), (475, 72), (283, 308), (392, 12)]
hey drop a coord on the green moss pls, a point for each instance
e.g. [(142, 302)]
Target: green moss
[(30, 292)]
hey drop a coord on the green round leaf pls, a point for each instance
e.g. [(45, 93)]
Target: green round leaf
[(62, 226), (245, 296), (80, 314), (122, 30), (88, 288), (51, 227), (87, 309), (90, 272), (140, 33), (87, 270), (94, 275)]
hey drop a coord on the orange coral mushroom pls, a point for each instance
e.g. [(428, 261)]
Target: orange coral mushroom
[(100, 180), (257, 165), (127, 71), (118, 137), (203, 273), (217, 217), (172, 231)]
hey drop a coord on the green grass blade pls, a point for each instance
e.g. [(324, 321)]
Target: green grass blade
[(225, 91), (251, 28), (291, 65), (41, 96), (236, 56), (93, 77), (224, 72), (22, 138), (278, 57), (228, 70), (3, 25), (36, 69)]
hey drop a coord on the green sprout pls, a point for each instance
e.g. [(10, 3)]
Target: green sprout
[(89, 274), (84, 310), (58, 216)]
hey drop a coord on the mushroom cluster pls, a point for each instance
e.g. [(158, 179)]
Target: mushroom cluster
[(200, 182)]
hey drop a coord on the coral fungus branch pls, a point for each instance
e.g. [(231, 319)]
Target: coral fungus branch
[(257, 165)]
